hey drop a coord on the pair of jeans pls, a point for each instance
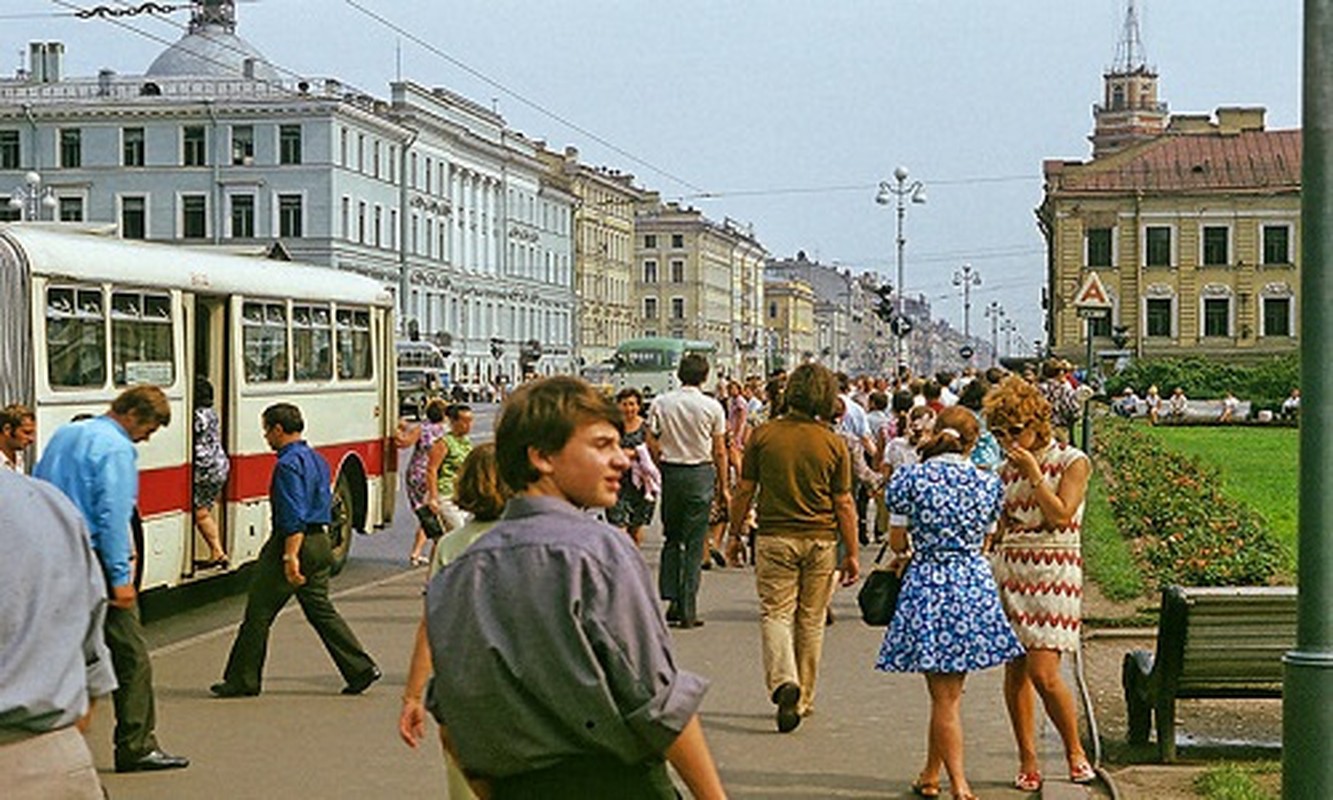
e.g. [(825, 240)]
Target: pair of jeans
[(687, 492), (794, 577)]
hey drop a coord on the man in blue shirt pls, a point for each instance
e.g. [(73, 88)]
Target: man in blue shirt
[(296, 559), (95, 464)]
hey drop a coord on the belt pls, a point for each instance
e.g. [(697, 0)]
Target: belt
[(312, 529)]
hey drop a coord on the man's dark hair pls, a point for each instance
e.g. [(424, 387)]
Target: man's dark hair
[(878, 401), (456, 410), (145, 402), (844, 382), (693, 369), (285, 416), (543, 415), (813, 391), (931, 391), (973, 394), (944, 377)]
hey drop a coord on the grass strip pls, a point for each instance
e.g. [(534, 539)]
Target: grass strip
[(1106, 554)]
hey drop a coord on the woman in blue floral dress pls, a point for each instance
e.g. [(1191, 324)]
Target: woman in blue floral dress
[(949, 621)]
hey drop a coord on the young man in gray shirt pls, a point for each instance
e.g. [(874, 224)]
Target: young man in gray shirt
[(554, 675)]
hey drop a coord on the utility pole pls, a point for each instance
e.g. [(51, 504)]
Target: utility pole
[(1008, 327)]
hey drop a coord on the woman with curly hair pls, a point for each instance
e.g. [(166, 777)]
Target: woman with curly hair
[(1039, 568)]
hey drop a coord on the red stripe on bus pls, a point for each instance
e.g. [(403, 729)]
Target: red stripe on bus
[(165, 489), (250, 474)]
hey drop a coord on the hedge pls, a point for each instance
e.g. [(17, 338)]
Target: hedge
[(1265, 384)]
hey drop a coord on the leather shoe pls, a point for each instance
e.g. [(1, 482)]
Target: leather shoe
[(362, 682), (225, 689), (151, 761), (686, 624)]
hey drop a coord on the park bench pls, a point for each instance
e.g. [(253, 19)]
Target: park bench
[(1201, 411), (1211, 642)]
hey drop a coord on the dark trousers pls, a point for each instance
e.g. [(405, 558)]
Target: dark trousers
[(136, 711), (589, 779), (862, 498), (270, 591), (687, 492)]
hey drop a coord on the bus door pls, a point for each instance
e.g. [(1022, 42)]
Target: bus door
[(211, 355), (389, 411)]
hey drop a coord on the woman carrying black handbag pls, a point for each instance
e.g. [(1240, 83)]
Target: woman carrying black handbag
[(948, 621)]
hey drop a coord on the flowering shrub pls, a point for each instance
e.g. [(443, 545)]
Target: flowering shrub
[(1179, 522)]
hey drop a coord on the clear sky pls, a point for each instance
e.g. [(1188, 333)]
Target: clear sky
[(780, 113)]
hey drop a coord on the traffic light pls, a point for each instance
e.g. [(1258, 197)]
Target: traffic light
[(497, 348), (884, 308)]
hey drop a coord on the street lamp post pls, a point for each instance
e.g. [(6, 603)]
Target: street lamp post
[(900, 192), (967, 278), (30, 197), (994, 312), (1008, 327)]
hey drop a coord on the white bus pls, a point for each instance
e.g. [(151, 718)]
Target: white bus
[(83, 315)]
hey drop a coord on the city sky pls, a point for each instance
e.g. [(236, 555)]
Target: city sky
[(776, 113)]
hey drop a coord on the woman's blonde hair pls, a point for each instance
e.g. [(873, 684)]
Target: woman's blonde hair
[(1015, 403)]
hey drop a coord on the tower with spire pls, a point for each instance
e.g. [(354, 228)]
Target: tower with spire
[(216, 13), (1130, 111)]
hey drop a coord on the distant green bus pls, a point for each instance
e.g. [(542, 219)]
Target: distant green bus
[(649, 364)]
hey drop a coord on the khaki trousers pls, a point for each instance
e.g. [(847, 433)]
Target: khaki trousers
[(794, 577), (49, 766)]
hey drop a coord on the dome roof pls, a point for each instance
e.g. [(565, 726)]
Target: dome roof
[(211, 51)]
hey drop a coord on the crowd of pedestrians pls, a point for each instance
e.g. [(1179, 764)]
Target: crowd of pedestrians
[(966, 480)]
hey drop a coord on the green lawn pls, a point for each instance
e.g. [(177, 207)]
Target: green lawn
[(1258, 465)]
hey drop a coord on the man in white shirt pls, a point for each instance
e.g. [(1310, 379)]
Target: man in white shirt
[(687, 437), (18, 430)]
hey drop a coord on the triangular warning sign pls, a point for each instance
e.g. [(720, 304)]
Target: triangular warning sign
[(1092, 294)]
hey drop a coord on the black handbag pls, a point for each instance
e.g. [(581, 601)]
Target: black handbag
[(878, 597)]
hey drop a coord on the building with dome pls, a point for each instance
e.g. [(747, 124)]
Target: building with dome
[(214, 145)]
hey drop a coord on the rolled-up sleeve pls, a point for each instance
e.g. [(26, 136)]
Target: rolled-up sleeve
[(655, 697)]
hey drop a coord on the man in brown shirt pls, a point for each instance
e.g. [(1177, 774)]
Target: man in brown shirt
[(804, 508)]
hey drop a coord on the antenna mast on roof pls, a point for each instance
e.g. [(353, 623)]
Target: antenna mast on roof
[(1129, 55)]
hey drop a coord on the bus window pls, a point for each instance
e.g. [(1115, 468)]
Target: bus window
[(264, 338), (75, 337), (353, 343), (312, 343), (141, 338)]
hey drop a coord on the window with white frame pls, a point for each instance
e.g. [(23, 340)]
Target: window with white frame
[(1215, 243), (650, 308), (1157, 246), (194, 216), (650, 271), (1217, 316), (1098, 252), (1158, 317), (678, 308), (1276, 244)]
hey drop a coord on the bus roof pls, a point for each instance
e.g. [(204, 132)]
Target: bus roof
[(665, 343), (88, 253)]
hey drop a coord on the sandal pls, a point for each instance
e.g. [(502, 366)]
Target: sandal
[(1082, 773), (419, 561), (1028, 782), (923, 788)]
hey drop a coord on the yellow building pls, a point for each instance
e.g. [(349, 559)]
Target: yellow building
[(1192, 225), (605, 204), (790, 317), (700, 279)]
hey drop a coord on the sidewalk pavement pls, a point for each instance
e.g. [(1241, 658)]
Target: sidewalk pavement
[(866, 739)]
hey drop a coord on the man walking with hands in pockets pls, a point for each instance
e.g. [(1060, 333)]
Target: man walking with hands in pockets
[(687, 437)]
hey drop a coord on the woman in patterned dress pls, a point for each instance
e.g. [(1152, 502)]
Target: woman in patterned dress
[(422, 440), (1039, 566), (949, 621), (211, 468)]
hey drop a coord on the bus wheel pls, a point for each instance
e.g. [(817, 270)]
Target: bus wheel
[(340, 527)]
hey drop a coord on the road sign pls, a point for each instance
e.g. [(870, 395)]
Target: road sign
[(1092, 294), (966, 351), (901, 326), (1092, 313)]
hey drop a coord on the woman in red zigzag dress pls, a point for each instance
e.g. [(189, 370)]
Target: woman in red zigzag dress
[(1039, 568)]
